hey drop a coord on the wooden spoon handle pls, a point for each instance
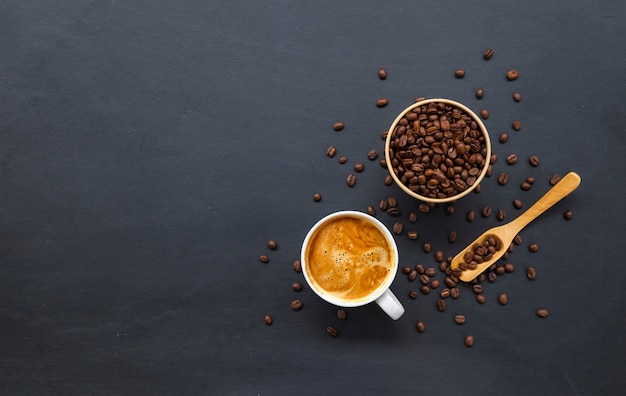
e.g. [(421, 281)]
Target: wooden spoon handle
[(568, 184)]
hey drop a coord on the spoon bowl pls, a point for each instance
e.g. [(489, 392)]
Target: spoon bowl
[(493, 243)]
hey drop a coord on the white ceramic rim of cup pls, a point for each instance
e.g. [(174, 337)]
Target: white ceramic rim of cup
[(482, 128), (381, 289)]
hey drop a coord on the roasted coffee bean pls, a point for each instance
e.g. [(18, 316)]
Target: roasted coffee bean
[(343, 159), (420, 269), (503, 299), (469, 341), (554, 180), (372, 155), (395, 211), (413, 294), (425, 289), (438, 256), (517, 97), (517, 125), (568, 215), (531, 273), (392, 202), (525, 186), (455, 292), (268, 319), (450, 210), (481, 299), (264, 259), (450, 282), (492, 276), (533, 248), (412, 276), (430, 272), (517, 239), (388, 180), (543, 313), (317, 197), (297, 266), (412, 217), (511, 159), (413, 235), (517, 204), (423, 208), (500, 215), (534, 160), (452, 237), (397, 228), (341, 314), (332, 331), (383, 163), (503, 179), (459, 319), (512, 75), (471, 215), (359, 167), (296, 286), (272, 244), (530, 180), (382, 73), (509, 267), (382, 102), (484, 114), (441, 305), (338, 126), (488, 53), (351, 180), (477, 289), (420, 327), (500, 270), (331, 151), (459, 73), (424, 279), (480, 93), (444, 266), (486, 212), (296, 305), (444, 293), (503, 137), (426, 247), (371, 211), (406, 269)]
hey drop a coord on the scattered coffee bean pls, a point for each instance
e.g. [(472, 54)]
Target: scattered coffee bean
[(351, 180), (272, 244), (372, 155), (533, 248), (568, 215), (427, 247), (343, 159), (423, 208), (444, 293), (503, 137), (471, 215), (517, 97), (397, 228), (452, 237), (382, 102), (359, 167), (525, 186), (488, 54), (511, 159), (503, 178), (264, 259), (477, 288), (341, 314), (296, 305), (434, 283), (500, 215), (450, 282), (441, 305), (412, 276), (512, 75), (492, 276), (268, 319), (455, 292), (459, 319), (406, 269), (413, 294), (338, 126), (481, 298), (420, 269), (459, 73), (331, 151), (296, 286), (412, 217), (444, 266), (469, 340), (509, 267), (534, 160), (543, 313), (392, 202), (424, 279), (317, 197), (517, 239), (486, 212), (297, 266), (530, 180), (383, 163), (332, 331), (425, 289), (517, 204), (388, 180), (420, 327), (480, 93), (531, 273), (484, 114), (395, 211), (503, 299), (413, 235), (371, 211), (450, 210), (517, 125), (554, 180), (382, 73)]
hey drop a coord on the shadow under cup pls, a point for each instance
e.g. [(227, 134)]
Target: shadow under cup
[(350, 259)]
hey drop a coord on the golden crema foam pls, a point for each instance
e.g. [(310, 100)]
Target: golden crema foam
[(349, 258)]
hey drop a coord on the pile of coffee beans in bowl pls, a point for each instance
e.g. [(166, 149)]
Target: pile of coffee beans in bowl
[(437, 150)]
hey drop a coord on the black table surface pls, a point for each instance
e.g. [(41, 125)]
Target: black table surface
[(150, 149)]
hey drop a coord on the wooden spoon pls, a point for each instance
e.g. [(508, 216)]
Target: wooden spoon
[(505, 233)]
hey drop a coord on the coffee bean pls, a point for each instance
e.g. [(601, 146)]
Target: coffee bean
[(503, 178), (371, 211), (450, 210), (444, 293), (512, 75), (534, 160), (264, 259), (406, 269), (469, 341), (351, 180), (423, 208), (343, 159), (488, 53), (486, 212), (477, 289), (503, 137), (450, 282), (341, 314), (503, 299), (332, 331), (372, 155), (413, 294), (338, 126), (441, 305), (554, 180), (426, 247), (382, 73), (331, 151), (455, 292), (525, 186), (397, 228), (296, 286), (517, 239), (531, 273), (533, 248), (382, 102), (425, 289), (268, 319), (480, 93), (359, 167), (383, 163), (459, 73), (543, 313), (297, 266), (272, 244), (481, 298), (420, 269), (517, 96), (413, 235), (420, 327), (459, 319), (434, 283), (471, 215), (530, 180), (517, 125), (509, 267), (444, 267), (296, 305), (392, 202), (492, 276), (393, 212), (438, 258), (412, 276), (517, 204), (500, 215), (568, 215), (424, 279), (452, 237), (317, 197), (511, 159), (484, 114), (412, 217), (388, 180)]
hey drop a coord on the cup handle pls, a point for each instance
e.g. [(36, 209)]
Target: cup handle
[(390, 304)]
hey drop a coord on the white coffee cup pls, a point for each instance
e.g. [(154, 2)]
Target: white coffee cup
[(350, 259)]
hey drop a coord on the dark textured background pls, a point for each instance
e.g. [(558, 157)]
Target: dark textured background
[(149, 149)]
